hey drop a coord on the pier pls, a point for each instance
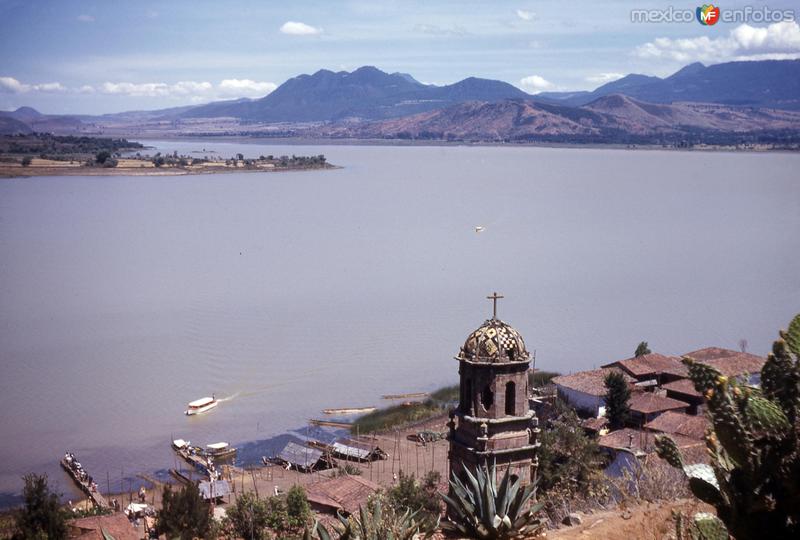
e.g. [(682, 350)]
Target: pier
[(81, 478)]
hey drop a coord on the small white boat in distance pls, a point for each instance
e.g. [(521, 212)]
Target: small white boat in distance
[(202, 405), (479, 229)]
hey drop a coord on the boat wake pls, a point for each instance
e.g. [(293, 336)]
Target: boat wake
[(229, 398)]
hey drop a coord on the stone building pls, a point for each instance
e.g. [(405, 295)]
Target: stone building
[(493, 422)]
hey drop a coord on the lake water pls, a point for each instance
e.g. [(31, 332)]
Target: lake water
[(123, 298)]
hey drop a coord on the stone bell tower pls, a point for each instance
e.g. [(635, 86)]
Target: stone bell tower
[(493, 422)]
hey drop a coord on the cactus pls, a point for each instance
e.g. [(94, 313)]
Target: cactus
[(479, 508), (753, 480), (373, 523)]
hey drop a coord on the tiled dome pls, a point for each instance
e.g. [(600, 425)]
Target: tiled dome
[(494, 342)]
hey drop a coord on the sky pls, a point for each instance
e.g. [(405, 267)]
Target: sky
[(102, 56)]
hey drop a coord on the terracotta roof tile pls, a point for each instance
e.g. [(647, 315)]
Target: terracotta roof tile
[(342, 493), (647, 402), (729, 363), (642, 441), (651, 364), (117, 525), (679, 423), (682, 386), (588, 382)]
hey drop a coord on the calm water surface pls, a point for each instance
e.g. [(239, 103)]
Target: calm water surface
[(123, 298)]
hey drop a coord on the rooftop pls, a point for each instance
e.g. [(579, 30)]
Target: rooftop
[(651, 364), (728, 362), (588, 382), (345, 493), (639, 440), (648, 402), (90, 528), (682, 386), (494, 341), (679, 423)]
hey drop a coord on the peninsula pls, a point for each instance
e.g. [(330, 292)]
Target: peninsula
[(53, 155)]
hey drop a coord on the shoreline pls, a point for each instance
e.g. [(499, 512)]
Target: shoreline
[(325, 141), (31, 172)]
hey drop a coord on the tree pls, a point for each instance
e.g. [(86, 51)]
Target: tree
[(183, 514), (249, 517), (642, 349), (297, 507), (411, 494), (617, 396), (41, 516), (26, 161), (568, 457), (102, 156)]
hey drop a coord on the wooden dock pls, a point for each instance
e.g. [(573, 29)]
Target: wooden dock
[(406, 396), (95, 496), (330, 423)]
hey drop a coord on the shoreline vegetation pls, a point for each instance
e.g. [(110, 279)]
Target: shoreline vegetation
[(53, 155), (437, 403)]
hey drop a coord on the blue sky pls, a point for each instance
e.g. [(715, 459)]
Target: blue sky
[(113, 55)]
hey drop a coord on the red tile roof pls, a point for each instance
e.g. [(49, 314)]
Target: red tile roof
[(679, 423), (648, 402), (642, 441), (650, 365), (729, 363), (342, 493), (588, 382), (595, 424), (117, 525), (682, 386)]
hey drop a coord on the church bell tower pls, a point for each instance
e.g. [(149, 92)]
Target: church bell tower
[(493, 423)]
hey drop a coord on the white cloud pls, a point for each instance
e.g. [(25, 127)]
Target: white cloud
[(13, 86), (299, 29), (436, 30), (777, 41), (182, 88), (195, 91), (535, 84), (245, 87), (525, 15), (85, 18), (603, 78)]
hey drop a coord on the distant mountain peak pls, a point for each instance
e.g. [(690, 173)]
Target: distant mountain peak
[(690, 70)]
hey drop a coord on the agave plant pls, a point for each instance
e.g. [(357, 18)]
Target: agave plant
[(753, 480), (373, 523), (479, 508)]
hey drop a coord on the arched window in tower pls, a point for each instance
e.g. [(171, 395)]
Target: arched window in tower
[(466, 396), (511, 397), (487, 398)]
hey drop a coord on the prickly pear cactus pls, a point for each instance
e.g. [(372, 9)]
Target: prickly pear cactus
[(753, 480)]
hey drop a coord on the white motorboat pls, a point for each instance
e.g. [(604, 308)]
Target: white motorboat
[(220, 450), (201, 405)]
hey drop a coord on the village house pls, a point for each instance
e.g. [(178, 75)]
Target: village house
[(652, 369), (647, 406), (342, 494), (678, 423), (97, 527), (584, 390)]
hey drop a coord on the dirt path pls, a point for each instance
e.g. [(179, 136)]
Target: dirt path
[(649, 521)]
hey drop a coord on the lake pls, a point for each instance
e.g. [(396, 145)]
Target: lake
[(124, 298)]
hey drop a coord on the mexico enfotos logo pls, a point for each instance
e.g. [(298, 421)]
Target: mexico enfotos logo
[(710, 14)]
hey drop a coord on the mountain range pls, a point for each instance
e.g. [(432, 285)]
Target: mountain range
[(735, 101), (366, 93)]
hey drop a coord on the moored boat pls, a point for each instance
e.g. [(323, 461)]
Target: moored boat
[(202, 405), (220, 450)]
